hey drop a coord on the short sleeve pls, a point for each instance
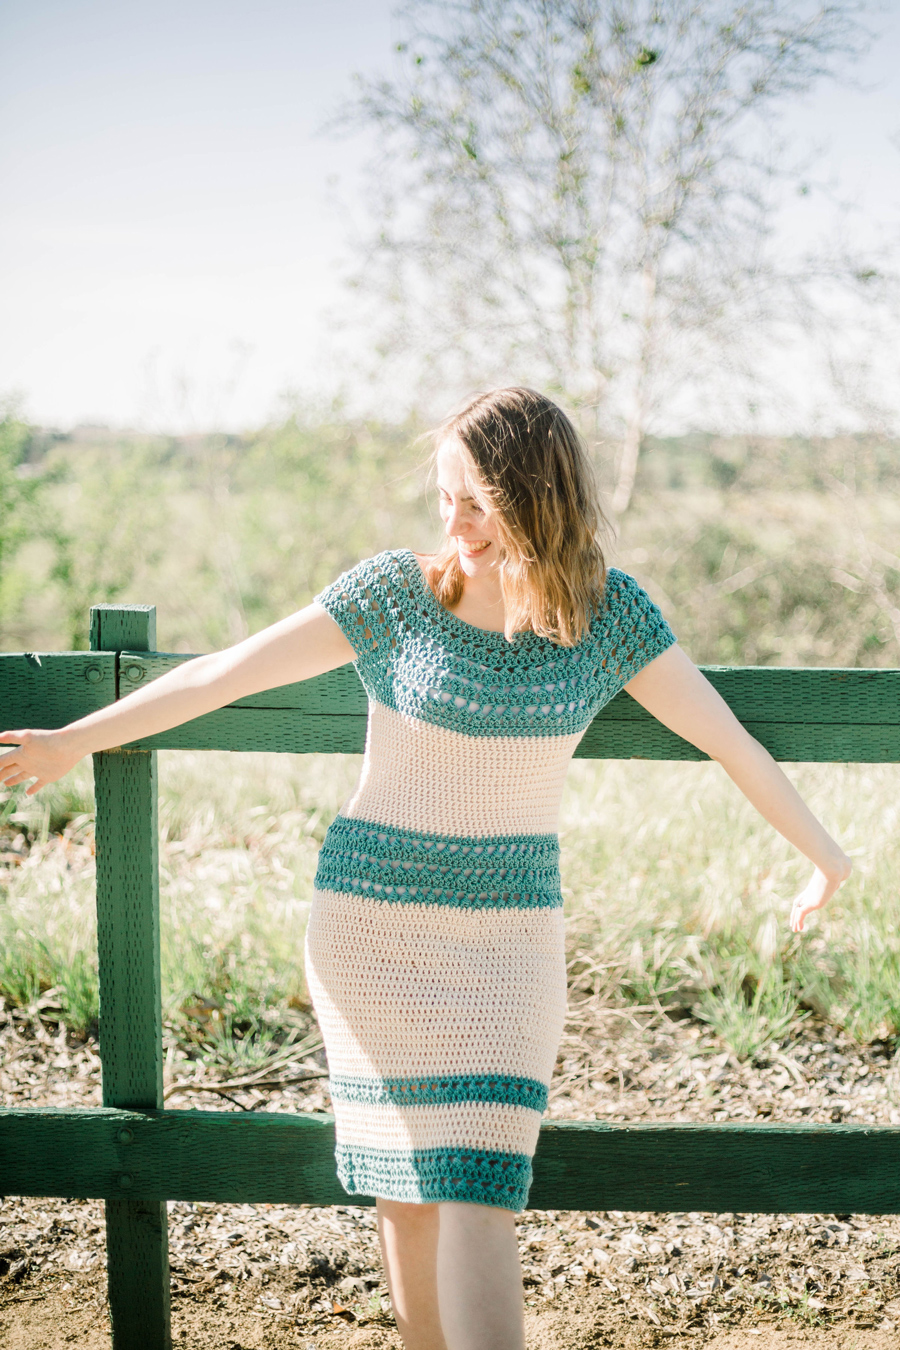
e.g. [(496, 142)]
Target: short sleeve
[(632, 633), (365, 603)]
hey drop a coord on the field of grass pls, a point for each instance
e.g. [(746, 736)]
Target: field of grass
[(760, 552), (677, 896), (779, 552)]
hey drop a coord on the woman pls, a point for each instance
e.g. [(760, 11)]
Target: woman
[(435, 940)]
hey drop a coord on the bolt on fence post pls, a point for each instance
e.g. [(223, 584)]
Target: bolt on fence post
[(130, 1000)]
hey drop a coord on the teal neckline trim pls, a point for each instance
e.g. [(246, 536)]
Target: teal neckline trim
[(470, 630), (419, 659)]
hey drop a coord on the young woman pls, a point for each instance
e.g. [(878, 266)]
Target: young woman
[(435, 941)]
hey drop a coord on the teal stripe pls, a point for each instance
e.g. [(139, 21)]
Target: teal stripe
[(428, 1176), (363, 857), (440, 1089), (418, 658)]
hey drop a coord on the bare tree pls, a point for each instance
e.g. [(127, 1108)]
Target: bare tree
[(577, 191)]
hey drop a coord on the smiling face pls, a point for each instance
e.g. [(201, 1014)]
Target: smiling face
[(469, 522), (520, 508)]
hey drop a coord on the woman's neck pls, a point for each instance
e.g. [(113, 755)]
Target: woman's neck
[(481, 603)]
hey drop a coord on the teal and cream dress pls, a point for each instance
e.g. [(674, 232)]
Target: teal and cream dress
[(434, 951)]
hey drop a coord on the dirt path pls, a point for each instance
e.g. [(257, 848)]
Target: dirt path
[(270, 1275), (57, 1319), (266, 1276)]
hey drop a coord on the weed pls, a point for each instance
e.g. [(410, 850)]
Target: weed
[(677, 897), (748, 1022)]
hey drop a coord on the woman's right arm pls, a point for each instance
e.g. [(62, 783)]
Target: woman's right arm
[(305, 644)]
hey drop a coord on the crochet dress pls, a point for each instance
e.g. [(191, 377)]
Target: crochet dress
[(434, 949)]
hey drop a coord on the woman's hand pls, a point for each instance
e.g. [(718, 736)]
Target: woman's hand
[(42, 755), (818, 891)]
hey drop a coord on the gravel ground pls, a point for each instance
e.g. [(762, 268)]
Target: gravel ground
[(261, 1275)]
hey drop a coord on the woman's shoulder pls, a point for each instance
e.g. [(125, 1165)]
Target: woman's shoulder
[(620, 588), (627, 612), (374, 601), (390, 582), (391, 565)]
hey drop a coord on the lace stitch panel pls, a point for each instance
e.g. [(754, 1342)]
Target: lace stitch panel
[(440, 1090), (430, 1175), (369, 604), (417, 658), (382, 862)]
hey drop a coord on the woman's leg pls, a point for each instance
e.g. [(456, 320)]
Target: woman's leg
[(409, 1249), (454, 1276), (479, 1279)]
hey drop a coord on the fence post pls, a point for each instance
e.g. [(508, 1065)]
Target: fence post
[(130, 1002)]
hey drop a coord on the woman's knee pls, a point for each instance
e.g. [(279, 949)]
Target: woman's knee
[(470, 1215), (407, 1214)]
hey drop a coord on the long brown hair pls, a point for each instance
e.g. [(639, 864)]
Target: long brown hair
[(532, 471)]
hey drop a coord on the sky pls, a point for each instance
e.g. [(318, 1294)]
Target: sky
[(174, 232)]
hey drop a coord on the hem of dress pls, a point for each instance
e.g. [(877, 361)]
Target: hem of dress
[(429, 1176)]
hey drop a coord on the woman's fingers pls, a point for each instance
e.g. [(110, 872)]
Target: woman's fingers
[(812, 897), (799, 914), (819, 891), (37, 757), (7, 771), (9, 758)]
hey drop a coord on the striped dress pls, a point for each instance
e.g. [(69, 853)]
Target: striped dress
[(434, 951)]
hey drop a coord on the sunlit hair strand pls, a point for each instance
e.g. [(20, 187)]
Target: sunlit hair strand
[(530, 468)]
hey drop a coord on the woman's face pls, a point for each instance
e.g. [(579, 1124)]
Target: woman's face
[(471, 525)]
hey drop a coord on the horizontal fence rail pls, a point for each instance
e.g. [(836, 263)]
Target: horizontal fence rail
[(136, 1156), (255, 1157), (802, 715)]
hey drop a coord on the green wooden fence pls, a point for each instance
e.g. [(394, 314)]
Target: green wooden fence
[(136, 1156)]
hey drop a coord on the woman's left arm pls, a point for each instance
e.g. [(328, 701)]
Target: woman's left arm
[(678, 695)]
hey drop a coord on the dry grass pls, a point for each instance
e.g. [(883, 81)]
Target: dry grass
[(680, 892), (238, 842), (677, 895)]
